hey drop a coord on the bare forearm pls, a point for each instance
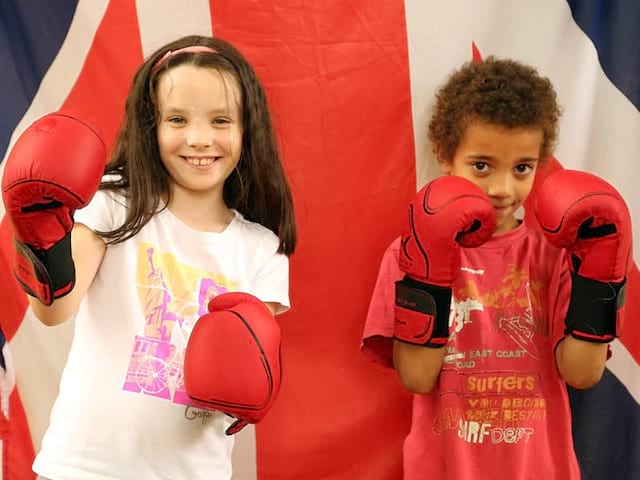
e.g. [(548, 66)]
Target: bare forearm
[(581, 363), (87, 249), (61, 310), (418, 367)]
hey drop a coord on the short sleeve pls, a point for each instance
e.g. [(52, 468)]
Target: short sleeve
[(105, 212), (377, 339), (271, 282)]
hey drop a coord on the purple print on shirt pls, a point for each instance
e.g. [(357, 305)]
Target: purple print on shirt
[(173, 296)]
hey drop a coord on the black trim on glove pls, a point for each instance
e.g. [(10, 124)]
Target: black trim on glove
[(592, 315)]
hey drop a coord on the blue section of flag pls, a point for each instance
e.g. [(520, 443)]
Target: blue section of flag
[(31, 33), (606, 418), (614, 28), (606, 426)]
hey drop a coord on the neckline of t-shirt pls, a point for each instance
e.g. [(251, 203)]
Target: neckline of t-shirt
[(199, 234), (499, 240)]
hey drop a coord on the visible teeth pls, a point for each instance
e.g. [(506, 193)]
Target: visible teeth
[(200, 161)]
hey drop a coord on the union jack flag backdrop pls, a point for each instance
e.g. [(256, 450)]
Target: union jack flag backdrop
[(350, 85)]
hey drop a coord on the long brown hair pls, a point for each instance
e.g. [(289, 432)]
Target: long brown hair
[(257, 188)]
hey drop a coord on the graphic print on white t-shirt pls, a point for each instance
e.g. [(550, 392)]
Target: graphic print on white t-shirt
[(172, 297)]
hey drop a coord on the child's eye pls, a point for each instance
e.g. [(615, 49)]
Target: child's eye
[(221, 121), (523, 169), (177, 120), (481, 167)]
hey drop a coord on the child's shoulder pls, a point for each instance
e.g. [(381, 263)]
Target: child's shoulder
[(254, 231), (113, 197), (109, 199), (393, 250), (389, 262)]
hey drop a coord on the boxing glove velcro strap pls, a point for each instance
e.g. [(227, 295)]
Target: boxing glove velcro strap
[(422, 313), (594, 313), (45, 274)]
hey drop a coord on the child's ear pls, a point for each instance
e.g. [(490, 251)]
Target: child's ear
[(444, 163)]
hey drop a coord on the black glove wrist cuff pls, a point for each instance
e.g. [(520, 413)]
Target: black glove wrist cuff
[(430, 300), (52, 272), (593, 309)]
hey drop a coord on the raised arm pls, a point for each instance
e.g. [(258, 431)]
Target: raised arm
[(589, 218), (53, 169), (87, 250), (447, 213)]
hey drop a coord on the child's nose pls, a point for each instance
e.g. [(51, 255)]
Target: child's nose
[(199, 135), (500, 186)]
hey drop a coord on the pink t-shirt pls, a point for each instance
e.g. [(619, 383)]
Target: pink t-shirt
[(500, 408)]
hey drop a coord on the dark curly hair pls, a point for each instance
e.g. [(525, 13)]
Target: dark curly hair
[(496, 91)]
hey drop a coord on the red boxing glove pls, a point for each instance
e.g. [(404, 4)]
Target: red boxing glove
[(447, 213), (54, 168), (232, 360), (589, 218)]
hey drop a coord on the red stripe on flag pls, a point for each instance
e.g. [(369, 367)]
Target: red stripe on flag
[(13, 299), (337, 77), (17, 447), (106, 76), (17, 452)]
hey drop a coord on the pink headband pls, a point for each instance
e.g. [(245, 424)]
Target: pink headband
[(191, 49)]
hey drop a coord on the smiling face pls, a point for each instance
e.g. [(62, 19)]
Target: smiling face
[(500, 160), (199, 128)]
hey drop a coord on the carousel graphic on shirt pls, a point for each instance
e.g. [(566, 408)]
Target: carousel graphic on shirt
[(172, 296), (497, 385)]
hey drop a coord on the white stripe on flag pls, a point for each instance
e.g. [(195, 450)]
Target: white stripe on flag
[(39, 355), (162, 21), (7, 380), (244, 454)]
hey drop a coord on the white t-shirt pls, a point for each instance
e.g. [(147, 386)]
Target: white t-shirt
[(122, 412)]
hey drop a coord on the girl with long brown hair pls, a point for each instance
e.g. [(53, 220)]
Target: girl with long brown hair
[(194, 204)]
